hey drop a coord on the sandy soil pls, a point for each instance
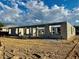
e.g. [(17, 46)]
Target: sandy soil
[(38, 49)]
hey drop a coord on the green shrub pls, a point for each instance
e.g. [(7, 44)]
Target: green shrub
[(1, 24)]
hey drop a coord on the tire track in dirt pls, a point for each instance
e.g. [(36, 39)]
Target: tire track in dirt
[(74, 47)]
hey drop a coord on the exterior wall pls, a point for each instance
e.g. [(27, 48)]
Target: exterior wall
[(53, 33), (70, 31), (12, 31), (40, 31), (5, 29), (48, 34), (64, 30), (17, 31), (34, 32), (47, 31), (21, 31), (27, 31)]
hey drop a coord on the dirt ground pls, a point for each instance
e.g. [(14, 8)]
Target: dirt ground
[(38, 49)]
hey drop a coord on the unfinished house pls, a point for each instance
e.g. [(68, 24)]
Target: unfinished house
[(59, 30)]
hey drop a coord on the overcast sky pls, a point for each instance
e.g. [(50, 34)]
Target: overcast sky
[(25, 12)]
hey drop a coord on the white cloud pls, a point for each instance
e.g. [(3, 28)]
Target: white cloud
[(77, 21), (38, 20), (45, 14), (55, 14), (8, 14), (38, 13)]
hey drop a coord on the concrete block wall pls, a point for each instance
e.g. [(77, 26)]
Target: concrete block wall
[(12, 31), (70, 31), (5, 29), (67, 31), (64, 30), (22, 31)]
